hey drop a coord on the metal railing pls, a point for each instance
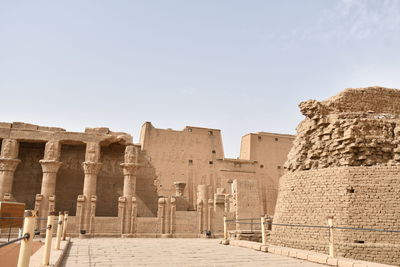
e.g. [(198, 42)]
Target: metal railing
[(262, 221), (29, 232)]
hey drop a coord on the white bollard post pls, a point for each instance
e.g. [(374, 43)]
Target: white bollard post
[(264, 242), (225, 229), (26, 244), (64, 232), (331, 240), (59, 229), (49, 237)]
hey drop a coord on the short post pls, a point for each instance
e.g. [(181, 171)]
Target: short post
[(64, 232), (264, 242), (49, 237), (225, 229), (331, 246), (26, 244), (59, 229)]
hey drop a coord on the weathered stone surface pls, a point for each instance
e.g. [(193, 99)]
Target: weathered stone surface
[(344, 163), (96, 174)]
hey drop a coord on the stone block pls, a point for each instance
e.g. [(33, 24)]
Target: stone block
[(25, 126), (318, 258), (345, 263), (332, 261), (302, 255), (293, 253), (360, 264), (271, 249)]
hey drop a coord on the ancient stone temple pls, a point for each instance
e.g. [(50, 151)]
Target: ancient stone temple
[(345, 163), (171, 183)]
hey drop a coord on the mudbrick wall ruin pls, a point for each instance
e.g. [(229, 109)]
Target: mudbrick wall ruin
[(345, 163)]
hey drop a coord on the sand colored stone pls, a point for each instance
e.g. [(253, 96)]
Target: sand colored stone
[(169, 252), (344, 163), (173, 183)]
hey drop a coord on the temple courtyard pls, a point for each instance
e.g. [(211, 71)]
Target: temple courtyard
[(168, 252)]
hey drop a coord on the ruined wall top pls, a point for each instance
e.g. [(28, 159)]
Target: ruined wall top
[(26, 132), (356, 100), (357, 127)]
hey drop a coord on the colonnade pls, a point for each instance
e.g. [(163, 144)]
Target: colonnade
[(86, 203)]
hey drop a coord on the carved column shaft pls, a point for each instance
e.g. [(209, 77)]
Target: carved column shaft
[(50, 169), (173, 216), (161, 215), (45, 201), (202, 196), (8, 164), (91, 168), (130, 167)]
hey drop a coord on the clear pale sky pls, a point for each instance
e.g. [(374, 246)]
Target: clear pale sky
[(239, 66)]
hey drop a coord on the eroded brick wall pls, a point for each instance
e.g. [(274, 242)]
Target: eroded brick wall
[(345, 164)]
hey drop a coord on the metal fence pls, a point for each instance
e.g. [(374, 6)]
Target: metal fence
[(268, 224), (30, 230)]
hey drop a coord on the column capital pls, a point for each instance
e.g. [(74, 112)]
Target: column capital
[(50, 166), (8, 164), (9, 148), (179, 188), (130, 168), (91, 167)]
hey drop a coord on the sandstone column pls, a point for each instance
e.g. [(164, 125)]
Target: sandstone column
[(161, 215), (127, 202), (172, 216), (202, 206), (219, 210), (50, 166), (91, 168), (8, 164)]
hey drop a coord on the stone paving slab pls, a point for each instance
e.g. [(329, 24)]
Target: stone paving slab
[(56, 256), (168, 252), (303, 254)]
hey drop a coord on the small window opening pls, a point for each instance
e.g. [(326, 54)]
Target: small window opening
[(261, 166), (210, 133), (279, 167), (190, 161), (190, 130), (359, 241), (213, 152), (276, 139), (259, 138), (210, 162), (350, 190)]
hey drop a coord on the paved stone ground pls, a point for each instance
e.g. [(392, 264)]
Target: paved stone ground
[(168, 252)]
